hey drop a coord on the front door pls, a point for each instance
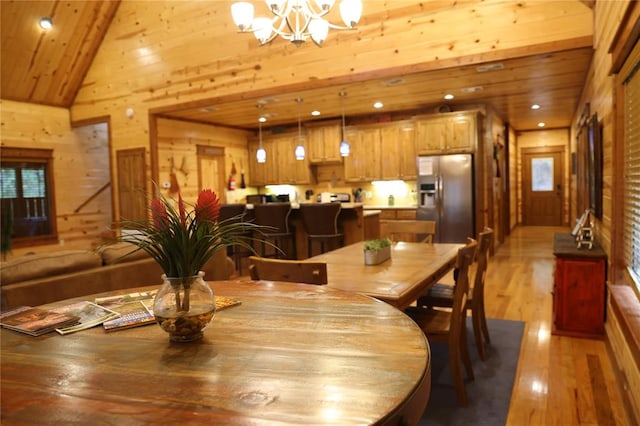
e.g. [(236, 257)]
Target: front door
[(542, 188)]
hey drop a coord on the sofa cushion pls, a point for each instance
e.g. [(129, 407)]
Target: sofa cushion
[(42, 265), (121, 252)]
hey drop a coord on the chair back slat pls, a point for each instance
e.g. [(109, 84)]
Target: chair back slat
[(422, 230)]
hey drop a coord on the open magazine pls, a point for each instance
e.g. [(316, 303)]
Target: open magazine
[(90, 315)]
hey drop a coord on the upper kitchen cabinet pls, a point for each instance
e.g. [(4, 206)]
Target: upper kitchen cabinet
[(398, 150), (324, 142), (364, 160), (262, 173), (290, 170), (281, 166), (452, 132)]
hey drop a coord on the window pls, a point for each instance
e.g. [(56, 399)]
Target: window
[(542, 174), (26, 196)]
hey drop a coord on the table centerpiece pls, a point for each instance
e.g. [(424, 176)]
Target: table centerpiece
[(182, 240)]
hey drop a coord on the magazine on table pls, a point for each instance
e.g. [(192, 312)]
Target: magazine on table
[(36, 321), (133, 309), (90, 314)]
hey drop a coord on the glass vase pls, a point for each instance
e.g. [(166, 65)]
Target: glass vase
[(184, 306)]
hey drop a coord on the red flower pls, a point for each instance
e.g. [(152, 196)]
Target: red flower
[(208, 206), (159, 215)]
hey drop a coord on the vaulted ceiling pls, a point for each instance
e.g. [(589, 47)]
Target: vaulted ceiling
[(49, 67)]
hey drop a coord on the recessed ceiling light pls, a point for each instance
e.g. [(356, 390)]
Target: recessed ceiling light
[(449, 96), (378, 105), (473, 89), (490, 67), (46, 23), (262, 119), (541, 124), (393, 81), (315, 113), (535, 106)]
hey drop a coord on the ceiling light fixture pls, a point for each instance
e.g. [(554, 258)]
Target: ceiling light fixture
[(261, 154), (449, 96), (46, 23), (535, 106), (315, 113), (300, 148), (295, 20), (541, 124), (345, 148), (378, 105)]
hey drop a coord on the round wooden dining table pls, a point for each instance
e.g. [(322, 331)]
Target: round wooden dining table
[(288, 354)]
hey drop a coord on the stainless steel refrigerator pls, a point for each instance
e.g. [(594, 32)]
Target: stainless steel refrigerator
[(446, 195)]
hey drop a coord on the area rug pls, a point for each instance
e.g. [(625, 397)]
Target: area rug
[(489, 394)]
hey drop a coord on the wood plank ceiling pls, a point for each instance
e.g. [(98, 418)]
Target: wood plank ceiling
[(49, 67)]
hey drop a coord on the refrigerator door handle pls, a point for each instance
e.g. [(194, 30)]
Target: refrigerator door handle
[(440, 195)]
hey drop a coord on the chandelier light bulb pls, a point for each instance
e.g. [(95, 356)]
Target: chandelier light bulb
[(242, 14)]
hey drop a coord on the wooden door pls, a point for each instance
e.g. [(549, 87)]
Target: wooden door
[(542, 186), (211, 172), (131, 184)]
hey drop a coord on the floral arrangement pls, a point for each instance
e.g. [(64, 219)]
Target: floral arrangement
[(183, 241)]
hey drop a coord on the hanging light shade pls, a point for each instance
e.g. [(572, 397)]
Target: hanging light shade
[(295, 20), (261, 154), (345, 148), (299, 152)]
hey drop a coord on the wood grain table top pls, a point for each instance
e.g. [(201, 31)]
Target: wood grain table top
[(411, 271), (288, 354)]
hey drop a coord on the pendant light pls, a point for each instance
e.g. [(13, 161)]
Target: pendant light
[(261, 154), (300, 148), (345, 148)]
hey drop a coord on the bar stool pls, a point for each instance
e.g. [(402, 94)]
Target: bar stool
[(235, 213), (275, 217), (320, 222)]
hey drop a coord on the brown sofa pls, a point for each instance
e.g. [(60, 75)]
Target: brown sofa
[(43, 278)]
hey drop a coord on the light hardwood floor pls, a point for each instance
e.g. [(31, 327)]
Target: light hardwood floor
[(560, 380)]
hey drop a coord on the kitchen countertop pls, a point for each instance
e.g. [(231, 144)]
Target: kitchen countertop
[(384, 207), (296, 206), (369, 212)]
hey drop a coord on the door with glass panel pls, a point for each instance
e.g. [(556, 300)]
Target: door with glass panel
[(542, 186)]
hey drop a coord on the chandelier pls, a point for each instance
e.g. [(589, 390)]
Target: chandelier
[(295, 20)]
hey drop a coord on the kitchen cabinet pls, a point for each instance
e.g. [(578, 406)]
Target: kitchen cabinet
[(261, 174), (364, 160), (281, 166), (398, 151), (324, 143), (579, 288), (289, 170), (454, 132)]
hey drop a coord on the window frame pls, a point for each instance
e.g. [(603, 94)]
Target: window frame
[(44, 156)]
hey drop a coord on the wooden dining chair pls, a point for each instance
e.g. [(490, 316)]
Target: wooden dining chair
[(449, 326), (302, 271), (441, 295), (420, 230)]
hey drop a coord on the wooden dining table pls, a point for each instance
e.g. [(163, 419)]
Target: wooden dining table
[(288, 354), (399, 281)]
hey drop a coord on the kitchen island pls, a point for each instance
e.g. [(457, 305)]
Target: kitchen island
[(353, 222)]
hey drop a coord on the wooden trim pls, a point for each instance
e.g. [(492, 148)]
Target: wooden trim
[(153, 150), (626, 37), (89, 121)]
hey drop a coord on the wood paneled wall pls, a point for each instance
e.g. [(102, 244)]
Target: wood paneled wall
[(81, 168), (179, 140)]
